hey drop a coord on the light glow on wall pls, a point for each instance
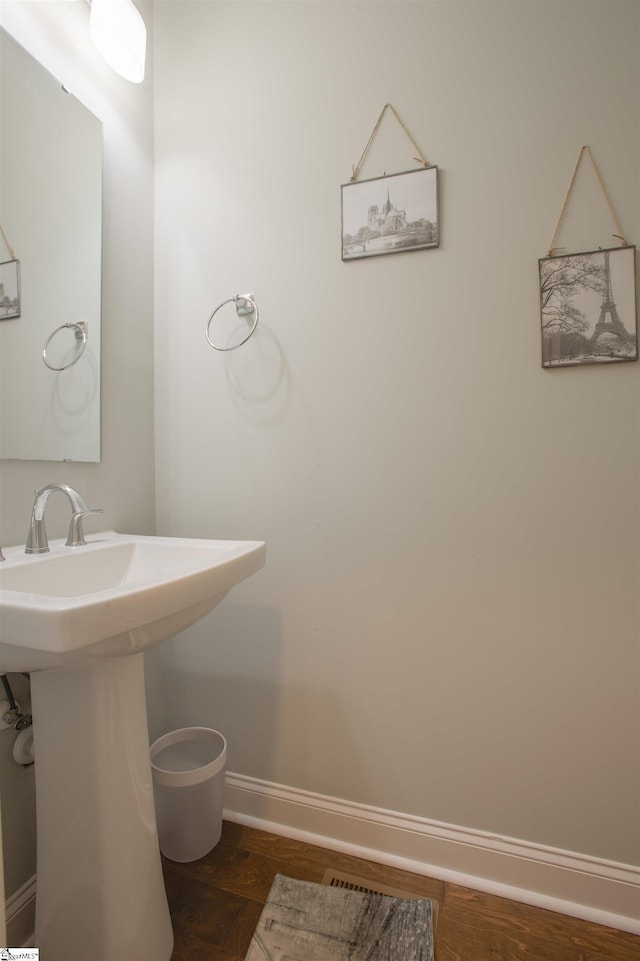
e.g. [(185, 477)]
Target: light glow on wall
[(118, 31)]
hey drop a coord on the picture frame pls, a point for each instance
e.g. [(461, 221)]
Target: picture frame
[(9, 289), (588, 311), (391, 214)]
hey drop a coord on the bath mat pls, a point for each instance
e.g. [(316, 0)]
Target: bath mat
[(303, 921)]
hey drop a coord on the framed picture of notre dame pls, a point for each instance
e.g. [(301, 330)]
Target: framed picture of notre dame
[(391, 214), (588, 307), (9, 289)]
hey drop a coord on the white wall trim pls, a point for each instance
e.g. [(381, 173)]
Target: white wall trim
[(20, 911), (604, 892)]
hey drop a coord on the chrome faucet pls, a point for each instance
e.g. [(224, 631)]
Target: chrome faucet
[(37, 542)]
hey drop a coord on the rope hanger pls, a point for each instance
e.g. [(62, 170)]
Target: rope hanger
[(420, 159), (619, 236), (8, 245)]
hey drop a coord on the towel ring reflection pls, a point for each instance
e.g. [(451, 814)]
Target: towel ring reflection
[(245, 304), (80, 332)]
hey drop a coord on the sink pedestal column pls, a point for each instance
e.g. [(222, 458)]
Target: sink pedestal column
[(100, 890)]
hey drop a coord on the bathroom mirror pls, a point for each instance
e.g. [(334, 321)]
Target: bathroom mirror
[(51, 219)]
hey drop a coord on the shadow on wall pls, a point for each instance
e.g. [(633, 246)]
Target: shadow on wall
[(227, 674), (220, 673), (259, 377)]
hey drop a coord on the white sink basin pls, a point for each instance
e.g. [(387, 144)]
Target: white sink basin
[(118, 595)]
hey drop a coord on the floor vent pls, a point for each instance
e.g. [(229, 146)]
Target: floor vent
[(352, 882)]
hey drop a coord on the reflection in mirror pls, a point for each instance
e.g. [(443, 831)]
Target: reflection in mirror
[(51, 220)]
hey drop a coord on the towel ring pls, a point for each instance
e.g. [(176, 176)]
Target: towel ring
[(245, 304), (80, 329)]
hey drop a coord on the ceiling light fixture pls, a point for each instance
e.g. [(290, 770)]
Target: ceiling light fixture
[(118, 31)]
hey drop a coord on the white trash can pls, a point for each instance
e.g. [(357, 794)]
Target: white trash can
[(188, 768)]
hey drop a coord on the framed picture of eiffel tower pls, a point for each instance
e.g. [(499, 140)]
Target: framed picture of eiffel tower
[(588, 307)]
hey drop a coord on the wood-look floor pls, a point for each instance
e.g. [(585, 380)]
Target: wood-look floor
[(215, 904)]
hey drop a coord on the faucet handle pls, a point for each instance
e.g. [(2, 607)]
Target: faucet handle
[(75, 537)]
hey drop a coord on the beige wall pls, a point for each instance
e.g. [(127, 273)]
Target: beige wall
[(447, 625), (123, 483)]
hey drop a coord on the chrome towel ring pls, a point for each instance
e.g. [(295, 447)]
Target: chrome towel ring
[(80, 333), (245, 305)]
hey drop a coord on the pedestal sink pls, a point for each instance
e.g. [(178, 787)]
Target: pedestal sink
[(79, 619)]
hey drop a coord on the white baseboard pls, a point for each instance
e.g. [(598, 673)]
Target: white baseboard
[(604, 892), (593, 889), (20, 912)]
